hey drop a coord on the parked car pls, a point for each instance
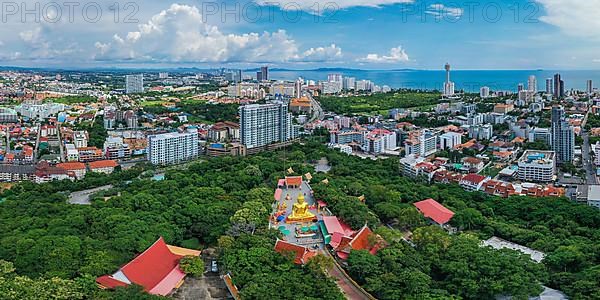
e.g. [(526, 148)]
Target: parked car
[(213, 267)]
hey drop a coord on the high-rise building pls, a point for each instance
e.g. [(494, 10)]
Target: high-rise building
[(334, 77), (590, 86), (520, 87), (532, 84), (484, 92), (134, 84), (559, 86), (174, 147), (562, 136), (163, 75), (264, 124), (448, 85), (348, 83), (548, 86), (264, 71)]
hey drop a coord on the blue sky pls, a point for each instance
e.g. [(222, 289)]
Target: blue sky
[(367, 34)]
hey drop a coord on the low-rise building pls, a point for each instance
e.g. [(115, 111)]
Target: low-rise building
[(536, 166), (103, 166), (77, 168)]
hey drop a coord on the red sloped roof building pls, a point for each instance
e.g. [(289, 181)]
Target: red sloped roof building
[(156, 270), (435, 211), (301, 253)]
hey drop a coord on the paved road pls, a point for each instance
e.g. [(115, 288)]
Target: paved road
[(350, 290), (317, 110), (587, 162), (83, 197)]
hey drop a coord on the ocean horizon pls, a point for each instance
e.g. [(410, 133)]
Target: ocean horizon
[(467, 80)]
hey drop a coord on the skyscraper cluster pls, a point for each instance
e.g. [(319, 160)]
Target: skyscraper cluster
[(263, 74)]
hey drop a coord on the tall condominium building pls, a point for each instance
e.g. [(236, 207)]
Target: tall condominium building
[(532, 84), (484, 92), (334, 77), (548, 85), (349, 83), (562, 136), (263, 74), (134, 84), (559, 86), (520, 87), (589, 86), (174, 147), (264, 124)]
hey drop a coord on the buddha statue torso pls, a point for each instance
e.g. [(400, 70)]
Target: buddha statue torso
[(300, 210)]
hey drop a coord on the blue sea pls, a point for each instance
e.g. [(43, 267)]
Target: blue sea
[(467, 80)]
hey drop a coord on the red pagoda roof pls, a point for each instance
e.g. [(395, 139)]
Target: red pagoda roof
[(435, 211)]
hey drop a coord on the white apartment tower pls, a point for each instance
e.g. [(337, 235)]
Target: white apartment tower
[(174, 147), (134, 84), (264, 124)]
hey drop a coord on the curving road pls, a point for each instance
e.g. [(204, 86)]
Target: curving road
[(350, 289)]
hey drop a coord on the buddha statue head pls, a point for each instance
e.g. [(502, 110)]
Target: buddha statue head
[(300, 199)]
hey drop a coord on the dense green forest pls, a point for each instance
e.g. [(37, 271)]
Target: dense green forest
[(377, 102), (225, 202)]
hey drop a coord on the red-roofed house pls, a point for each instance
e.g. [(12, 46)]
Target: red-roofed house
[(76, 167), (301, 254), (103, 166), (156, 270), (472, 182), (434, 211)]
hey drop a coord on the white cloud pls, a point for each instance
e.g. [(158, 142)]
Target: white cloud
[(574, 17), (316, 6), (396, 55), (321, 54), (178, 34), (442, 11)]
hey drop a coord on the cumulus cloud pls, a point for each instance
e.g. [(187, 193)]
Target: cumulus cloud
[(178, 34), (321, 54), (396, 55), (574, 17), (442, 11), (315, 6)]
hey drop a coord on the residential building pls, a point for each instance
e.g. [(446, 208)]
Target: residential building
[(71, 153), (134, 84), (264, 124), (116, 148), (349, 83), (80, 139), (8, 115), (174, 147), (549, 86), (540, 134), (536, 166), (532, 84), (77, 168), (472, 182), (15, 173), (224, 131), (481, 132), (378, 141), (484, 92), (424, 144), (88, 154), (449, 140), (103, 166), (593, 196), (434, 211), (563, 136), (46, 173)]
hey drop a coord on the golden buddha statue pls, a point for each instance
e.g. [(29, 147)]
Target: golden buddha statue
[(300, 211)]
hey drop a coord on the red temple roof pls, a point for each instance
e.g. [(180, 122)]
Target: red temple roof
[(435, 211), (293, 180), (156, 270), (302, 253)]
